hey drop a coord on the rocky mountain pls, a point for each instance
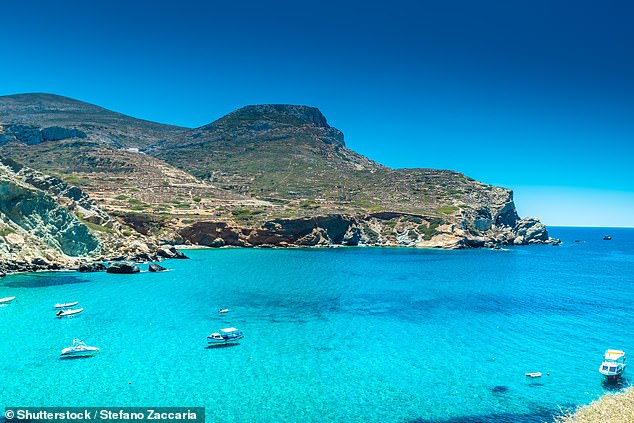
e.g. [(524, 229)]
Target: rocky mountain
[(262, 175)]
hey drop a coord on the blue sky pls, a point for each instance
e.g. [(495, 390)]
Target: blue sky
[(535, 96)]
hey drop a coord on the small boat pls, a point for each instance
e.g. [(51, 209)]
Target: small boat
[(68, 312), (533, 374), (79, 349), (613, 364), (607, 238), (65, 305), (6, 300), (223, 310), (225, 336)]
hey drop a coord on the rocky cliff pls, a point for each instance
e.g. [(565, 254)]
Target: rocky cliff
[(378, 229), (47, 224)]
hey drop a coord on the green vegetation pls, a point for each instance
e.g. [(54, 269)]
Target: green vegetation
[(6, 231), (121, 197), (413, 219), (246, 212), (197, 199), (429, 231), (310, 205), (372, 235), (98, 228), (447, 209), (76, 180)]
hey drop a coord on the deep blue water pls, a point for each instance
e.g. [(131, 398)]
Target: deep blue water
[(347, 334)]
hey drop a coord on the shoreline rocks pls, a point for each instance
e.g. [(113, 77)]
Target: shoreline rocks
[(378, 229), (170, 252), (91, 267), (122, 267), (153, 267)]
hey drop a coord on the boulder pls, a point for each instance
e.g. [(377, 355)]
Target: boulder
[(318, 237), (170, 252), (91, 267), (530, 229), (39, 262), (153, 267), (218, 242), (123, 267), (352, 236)]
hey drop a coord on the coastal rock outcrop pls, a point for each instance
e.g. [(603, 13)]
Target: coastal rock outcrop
[(91, 267), (530, 230), (47, 224), (123, 267), (170, 252), (153, 267), (376, 229)]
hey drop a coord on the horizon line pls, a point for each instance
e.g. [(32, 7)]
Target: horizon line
[(589, 227)]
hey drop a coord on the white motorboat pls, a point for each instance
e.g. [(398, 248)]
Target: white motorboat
[(79, 349), (223, 310), (533, 374), (613, 364), (68, 312), (65, 305), (225, 336), (6, 300)]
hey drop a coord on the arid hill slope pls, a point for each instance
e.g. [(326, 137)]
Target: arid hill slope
[(262, 175)]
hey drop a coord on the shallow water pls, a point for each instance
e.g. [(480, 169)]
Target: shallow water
[(347, 334)]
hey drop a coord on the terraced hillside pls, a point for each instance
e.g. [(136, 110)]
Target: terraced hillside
[(265, 174)]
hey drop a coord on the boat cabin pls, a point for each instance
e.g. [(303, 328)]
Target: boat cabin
[(613, 363), (226, 335)]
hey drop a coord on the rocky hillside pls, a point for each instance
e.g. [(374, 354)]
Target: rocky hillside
[(36, 118), (47, 224), (262, 175)]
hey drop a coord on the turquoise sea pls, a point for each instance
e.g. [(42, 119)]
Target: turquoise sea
[(345, 334)]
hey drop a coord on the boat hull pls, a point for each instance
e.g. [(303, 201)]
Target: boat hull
[(69, 313), (234, 340), (612, 375), (66, 305), (6, 300), (79, 353)]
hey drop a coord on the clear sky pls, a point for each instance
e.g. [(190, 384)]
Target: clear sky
[(536, 96)]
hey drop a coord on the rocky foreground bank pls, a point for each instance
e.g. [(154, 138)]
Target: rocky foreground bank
[(610, 408)]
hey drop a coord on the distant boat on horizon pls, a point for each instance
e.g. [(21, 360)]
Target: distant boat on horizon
[(607, 238)]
